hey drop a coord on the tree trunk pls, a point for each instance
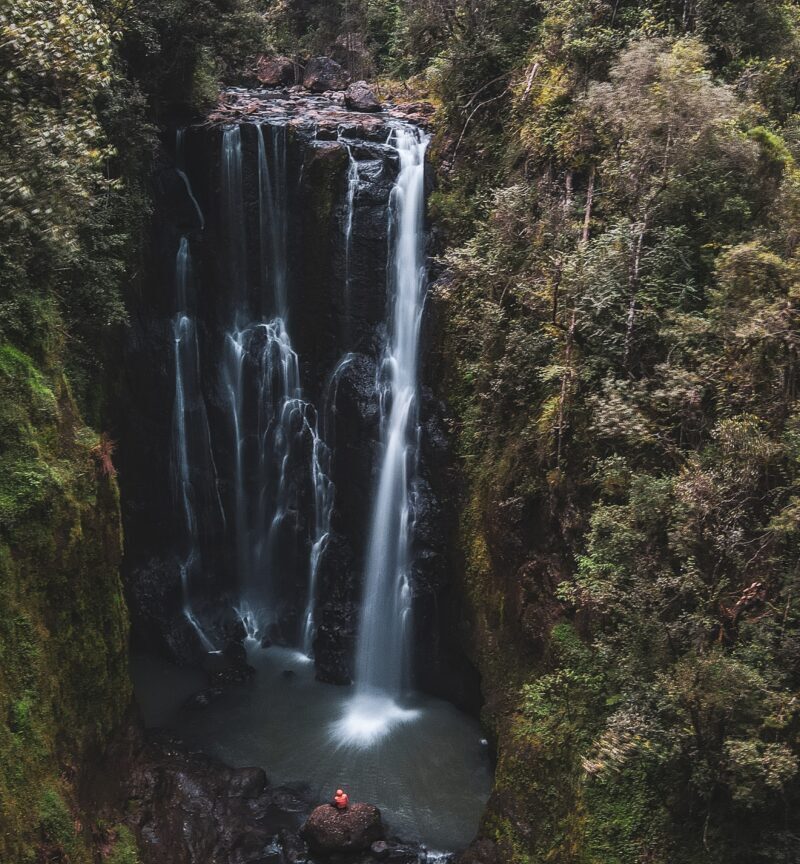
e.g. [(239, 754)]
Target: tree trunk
[(587, 215), (633, 283), (566, 377), (556, 287)]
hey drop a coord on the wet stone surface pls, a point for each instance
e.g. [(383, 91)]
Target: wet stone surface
[(324, 115)]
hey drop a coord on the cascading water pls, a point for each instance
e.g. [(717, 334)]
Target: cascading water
[(273, 215), (382, 652), (352, 189), (180, 168), (261, 368), (186, 380)]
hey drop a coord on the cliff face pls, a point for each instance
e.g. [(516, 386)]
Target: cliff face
[(63, 623)]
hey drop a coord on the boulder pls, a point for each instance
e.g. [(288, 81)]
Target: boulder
[(379, 850), (360, 96), (187, 808), (276, 71), (247, 783), (203, 699), (323, 74), (329, 830)]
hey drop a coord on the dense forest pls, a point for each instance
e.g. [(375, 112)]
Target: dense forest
[(614, 237)]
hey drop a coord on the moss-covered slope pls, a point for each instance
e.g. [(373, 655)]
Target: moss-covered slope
[(63, 626)]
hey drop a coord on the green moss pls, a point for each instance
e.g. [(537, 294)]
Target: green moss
[(55, 821), (63, 624), (626, 821), (124, 851)]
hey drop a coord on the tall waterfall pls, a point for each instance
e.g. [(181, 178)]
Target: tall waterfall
[(273, 214), (261, 376), (187, 392), (352, 189), (277, 446), (382, 654)]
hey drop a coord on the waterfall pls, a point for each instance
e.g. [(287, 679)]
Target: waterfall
[(187, 377), (180, 168), (323, 508), (261, 377), (352, 189), (273, 214), (381, 657), (280, 452), (382, 652), (233, 218)]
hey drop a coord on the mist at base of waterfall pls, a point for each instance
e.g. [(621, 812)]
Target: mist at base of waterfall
[(422, 762)]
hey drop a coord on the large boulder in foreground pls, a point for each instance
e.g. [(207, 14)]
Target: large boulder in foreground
[(355, 829), (323, 74), (359, 96)]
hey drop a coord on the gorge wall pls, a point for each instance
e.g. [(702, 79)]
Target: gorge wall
[(64, 686)]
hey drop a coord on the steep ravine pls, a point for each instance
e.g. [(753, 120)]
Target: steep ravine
[(153, 792)]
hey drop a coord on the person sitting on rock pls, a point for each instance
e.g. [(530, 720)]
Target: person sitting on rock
[(341, 800)]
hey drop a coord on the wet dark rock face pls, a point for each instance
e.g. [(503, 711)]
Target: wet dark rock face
[(338, 302)]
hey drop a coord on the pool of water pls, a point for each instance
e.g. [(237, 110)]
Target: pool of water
[(424, 763)]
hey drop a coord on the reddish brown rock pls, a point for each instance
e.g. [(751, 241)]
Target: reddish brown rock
[(323, 74), (276, 71), (355, 829), (360, 96)]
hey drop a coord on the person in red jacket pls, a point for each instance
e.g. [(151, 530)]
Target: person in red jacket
[(341, 800)]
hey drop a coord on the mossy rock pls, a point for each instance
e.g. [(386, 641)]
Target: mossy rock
[(64, 684)]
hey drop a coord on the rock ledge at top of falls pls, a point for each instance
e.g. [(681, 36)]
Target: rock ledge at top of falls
[(355, 829), (324, 117)]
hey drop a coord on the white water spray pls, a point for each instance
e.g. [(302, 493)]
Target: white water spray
[(382, 654), (186, 372), (261, 376)]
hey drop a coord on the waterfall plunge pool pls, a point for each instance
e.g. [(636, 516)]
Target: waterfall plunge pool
[(429, 773)]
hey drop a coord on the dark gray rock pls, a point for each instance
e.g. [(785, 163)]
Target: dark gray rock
[(187, 808), (330, 830), (203, 699), (379, 850), (360, 96), (247, 783), (295, 849), (322, 73)]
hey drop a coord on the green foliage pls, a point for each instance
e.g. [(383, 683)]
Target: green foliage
[(124, 851), (63, 630), (622, 313), (179, 50), (55, 821)]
